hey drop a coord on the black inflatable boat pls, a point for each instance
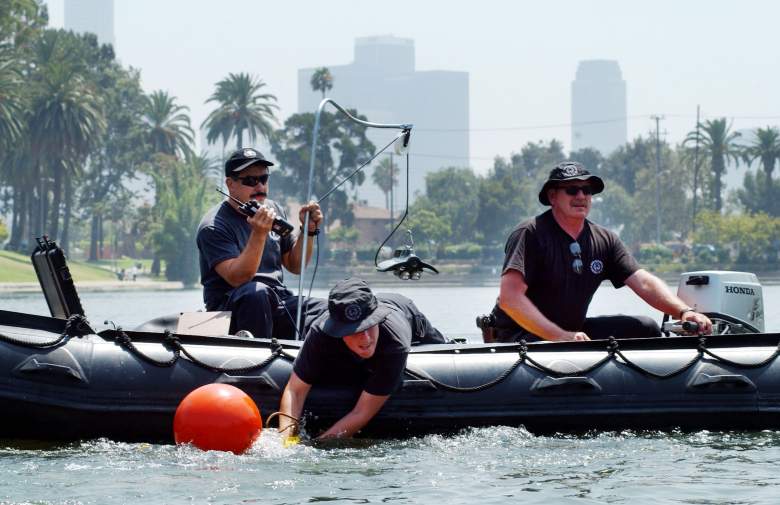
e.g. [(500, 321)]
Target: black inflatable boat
[(59, 380)]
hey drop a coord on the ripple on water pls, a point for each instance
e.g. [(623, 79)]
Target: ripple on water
[(484, 465)]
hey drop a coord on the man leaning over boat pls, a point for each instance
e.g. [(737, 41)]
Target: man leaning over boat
[(555, 262), (361, 339), (241, 258)]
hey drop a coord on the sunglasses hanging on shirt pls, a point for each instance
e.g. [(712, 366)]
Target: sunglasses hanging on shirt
[(576, 265)]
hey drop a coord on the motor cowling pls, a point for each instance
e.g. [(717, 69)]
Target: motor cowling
[(735, 294)]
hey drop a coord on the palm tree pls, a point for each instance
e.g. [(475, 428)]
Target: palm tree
[(66, 123), (385, 176), (717, 138), (322, 80), (766, 148), (241, 107), (12, 103), (168, 125)]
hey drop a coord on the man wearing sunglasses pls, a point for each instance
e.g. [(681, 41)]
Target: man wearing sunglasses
[(241, 258), (555, 262)]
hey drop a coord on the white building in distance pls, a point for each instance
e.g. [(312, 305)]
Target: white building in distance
[(598, 106), (93, 16), (383, 84)]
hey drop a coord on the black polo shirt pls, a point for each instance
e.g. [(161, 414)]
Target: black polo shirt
[(539, 249), (222, 235), (327, 361)]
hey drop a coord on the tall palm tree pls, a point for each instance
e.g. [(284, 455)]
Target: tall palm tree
[(322, 80), (12, 102), (241, 107), (717, 138), (766, 147), (168, 125), (66, 123), (385, 176)]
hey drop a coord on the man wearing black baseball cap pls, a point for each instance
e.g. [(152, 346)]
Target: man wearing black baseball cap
[(555, 262), (241, 258), (363, 340)]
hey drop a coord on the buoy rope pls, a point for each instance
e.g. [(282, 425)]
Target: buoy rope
[(296, 423), (76, 326), (173, 343), (613, 353)]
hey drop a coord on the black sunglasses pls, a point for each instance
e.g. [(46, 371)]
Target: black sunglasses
[(573, 190), (576, 265), (252, 180)]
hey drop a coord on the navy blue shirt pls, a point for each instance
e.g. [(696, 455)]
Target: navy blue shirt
[(222, 235), (326, 360)]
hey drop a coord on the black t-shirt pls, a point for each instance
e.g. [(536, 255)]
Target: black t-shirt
[(223, 234), (539, 249), (327, 361)]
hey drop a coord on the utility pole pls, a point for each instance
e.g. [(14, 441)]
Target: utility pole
[(695, 170), (657, 178)]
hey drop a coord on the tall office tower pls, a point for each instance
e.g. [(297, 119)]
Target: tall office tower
[(598, 106), (383, 84), (94, 16)]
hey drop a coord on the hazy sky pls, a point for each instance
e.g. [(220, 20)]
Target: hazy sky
[(521, 56)]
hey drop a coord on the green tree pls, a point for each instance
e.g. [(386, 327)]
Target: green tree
[(766, 148), (241, 107), (385, 176), (429, 226), (342, 146), (13, 104), (322, 80), (66, 117), (590, 158), (120, 156), (753, 238), (184, 193), (168, 125), (625, 162), (716, 137)]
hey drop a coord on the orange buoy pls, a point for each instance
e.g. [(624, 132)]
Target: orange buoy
[(217, 417)]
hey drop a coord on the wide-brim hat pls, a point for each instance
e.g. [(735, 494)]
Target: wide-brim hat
[(570, 171), (244, 158), (352, 308)]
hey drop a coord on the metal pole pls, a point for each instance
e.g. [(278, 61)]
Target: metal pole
[(309, 192)]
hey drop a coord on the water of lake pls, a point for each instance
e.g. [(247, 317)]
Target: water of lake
[(486, 465)]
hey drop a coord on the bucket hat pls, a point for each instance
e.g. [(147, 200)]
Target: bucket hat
[(569, 171), (352, 308)]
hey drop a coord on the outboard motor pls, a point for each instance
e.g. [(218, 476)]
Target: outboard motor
[(733, 301)]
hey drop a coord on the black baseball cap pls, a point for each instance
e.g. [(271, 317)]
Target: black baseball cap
[(570, 171), (244, 158), (352, 308)]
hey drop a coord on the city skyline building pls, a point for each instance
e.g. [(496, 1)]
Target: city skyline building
[(383, 84), (598, 107), (92, 16)]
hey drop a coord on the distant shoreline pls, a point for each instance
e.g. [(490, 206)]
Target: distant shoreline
[(326, 277)]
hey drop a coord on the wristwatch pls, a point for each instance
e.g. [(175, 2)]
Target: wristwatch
[(311, 233), (683, 311)]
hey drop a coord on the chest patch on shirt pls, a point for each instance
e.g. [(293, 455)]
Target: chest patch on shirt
[(596, 266), (274, 236)]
